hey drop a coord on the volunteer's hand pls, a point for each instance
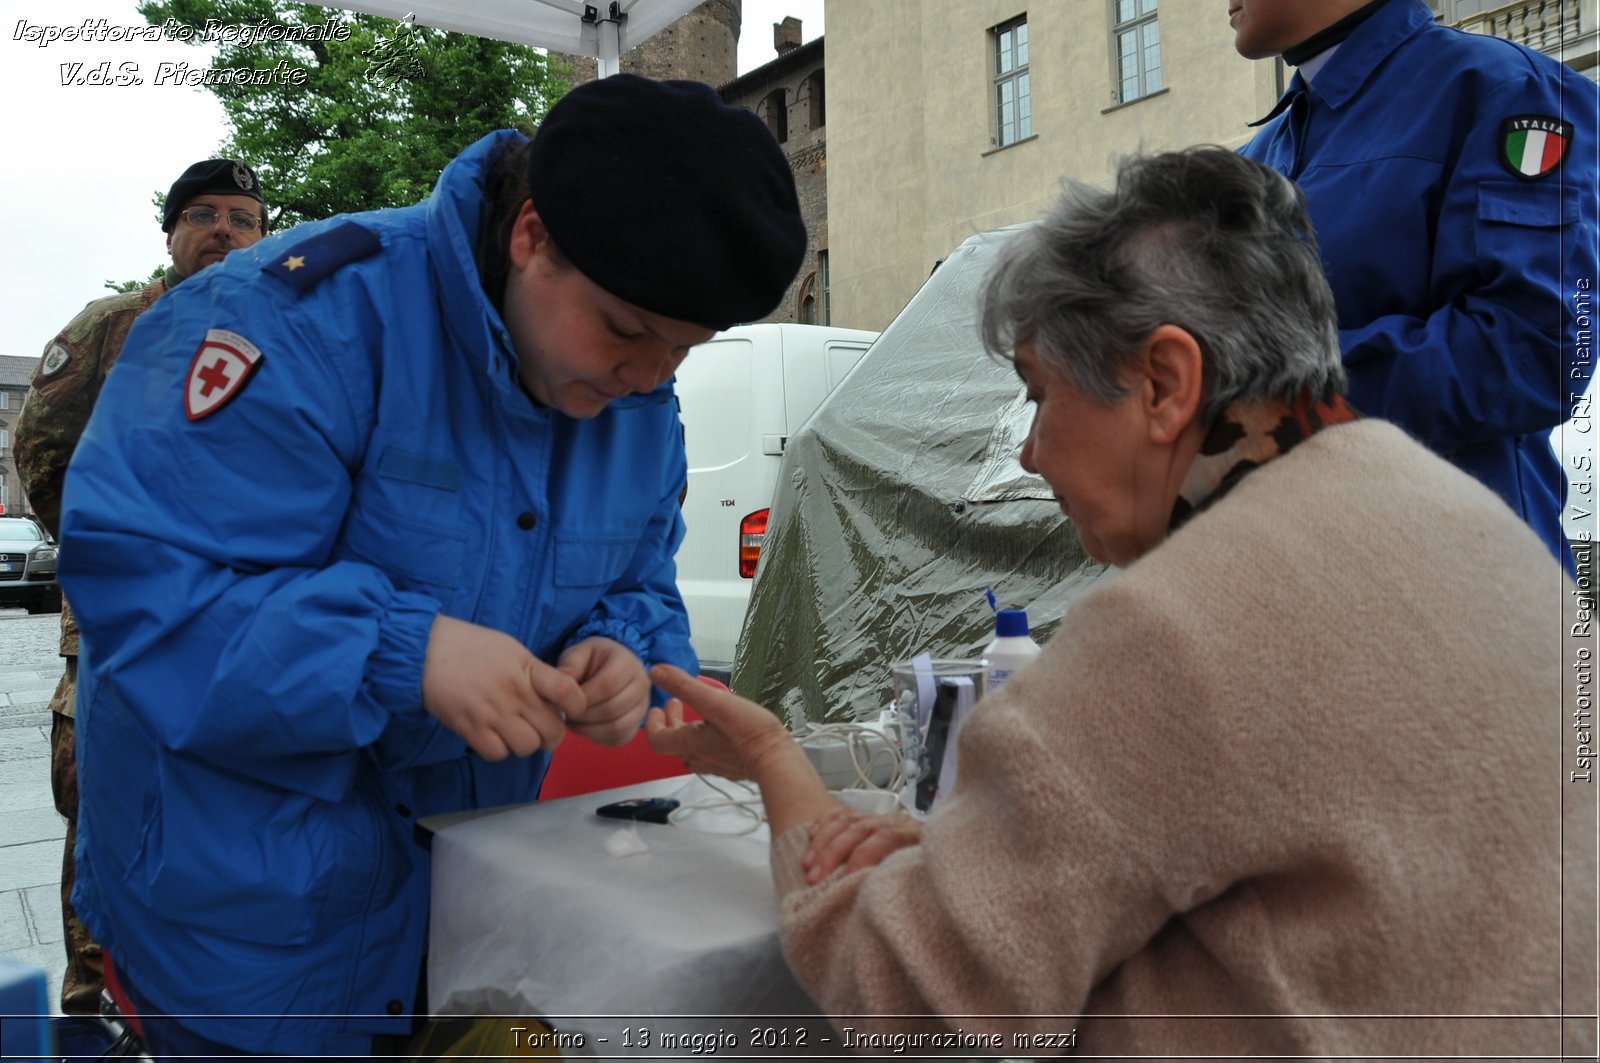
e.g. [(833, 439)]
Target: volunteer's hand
[(734, 740), (616, 692), (855, 840), (486, 687)]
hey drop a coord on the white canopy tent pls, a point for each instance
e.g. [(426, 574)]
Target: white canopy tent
[(603, 30)]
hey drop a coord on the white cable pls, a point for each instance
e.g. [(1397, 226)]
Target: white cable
[(867, 745), (749, 805)]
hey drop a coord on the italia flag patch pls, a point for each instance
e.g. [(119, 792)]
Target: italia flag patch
[(221, 367), (1532, 145)]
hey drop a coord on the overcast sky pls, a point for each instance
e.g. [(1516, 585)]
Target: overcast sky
[(75, 197)]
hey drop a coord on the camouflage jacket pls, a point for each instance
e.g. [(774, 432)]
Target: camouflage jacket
[(62, 395)]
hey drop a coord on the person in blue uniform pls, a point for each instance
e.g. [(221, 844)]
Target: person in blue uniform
[(368, 517), (1451, 180)]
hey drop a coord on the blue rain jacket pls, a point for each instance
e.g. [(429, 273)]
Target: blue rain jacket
[(255, 589), (1460, 284)]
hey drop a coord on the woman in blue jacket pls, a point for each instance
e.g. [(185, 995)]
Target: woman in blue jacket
[(367, 518)]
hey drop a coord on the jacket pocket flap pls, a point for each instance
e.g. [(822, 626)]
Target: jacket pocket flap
[(589, 561), (1544, 204)]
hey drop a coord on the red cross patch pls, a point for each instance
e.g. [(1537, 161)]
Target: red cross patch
[(222, 365)]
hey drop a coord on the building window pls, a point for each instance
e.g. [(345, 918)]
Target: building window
[(814, 93), (1136, 39), (5, 400), (1013, 102), (806, 300), (5, 439), (777, 114), (825, 311)]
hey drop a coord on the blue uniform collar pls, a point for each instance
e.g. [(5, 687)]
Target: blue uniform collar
[(1357, 58), (453, 213)]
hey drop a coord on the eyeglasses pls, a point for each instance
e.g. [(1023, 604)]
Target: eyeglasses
[(205, 217)]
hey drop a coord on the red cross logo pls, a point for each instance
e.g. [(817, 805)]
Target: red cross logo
[(221, 367), (214, 378)]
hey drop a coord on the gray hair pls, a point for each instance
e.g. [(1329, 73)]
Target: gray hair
[(1203, 239)]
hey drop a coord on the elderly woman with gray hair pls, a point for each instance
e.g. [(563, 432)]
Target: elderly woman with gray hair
[(1289, 781)]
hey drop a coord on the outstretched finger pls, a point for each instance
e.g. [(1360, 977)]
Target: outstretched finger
[(716, 705)]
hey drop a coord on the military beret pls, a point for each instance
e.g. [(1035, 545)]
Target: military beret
[(214, 177), (667, 197)]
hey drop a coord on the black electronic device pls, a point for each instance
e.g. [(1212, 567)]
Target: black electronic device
[(647, 809), (945, 702)]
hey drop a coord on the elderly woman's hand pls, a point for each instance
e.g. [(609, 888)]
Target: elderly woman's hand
[(856, 840), (735, 738)]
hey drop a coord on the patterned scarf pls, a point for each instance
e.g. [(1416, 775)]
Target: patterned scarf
[(1245, 436)]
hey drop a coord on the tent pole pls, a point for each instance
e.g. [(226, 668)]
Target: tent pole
[(607, 59)]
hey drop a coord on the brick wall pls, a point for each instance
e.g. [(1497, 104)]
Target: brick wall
[(789, 94), (699, 46)]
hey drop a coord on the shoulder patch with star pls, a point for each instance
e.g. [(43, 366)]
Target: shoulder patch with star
[(1533, 145), (221, 367), (303, 265)]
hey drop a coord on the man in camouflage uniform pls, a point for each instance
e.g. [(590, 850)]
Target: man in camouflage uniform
[(213, 208)]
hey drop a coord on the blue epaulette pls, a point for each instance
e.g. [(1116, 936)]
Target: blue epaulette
[(302, 266)]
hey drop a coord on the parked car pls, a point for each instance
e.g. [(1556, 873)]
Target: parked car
[(28, 566), (742, 394)]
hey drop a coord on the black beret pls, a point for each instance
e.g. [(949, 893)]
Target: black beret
[(214, 177), (666, 197)]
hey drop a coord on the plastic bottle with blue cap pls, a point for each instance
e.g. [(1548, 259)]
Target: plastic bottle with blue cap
[(1011, 649)]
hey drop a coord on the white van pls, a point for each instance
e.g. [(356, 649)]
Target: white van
[(742, 393)]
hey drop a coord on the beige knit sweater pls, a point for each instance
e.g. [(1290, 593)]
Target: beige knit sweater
[(1299, 769)]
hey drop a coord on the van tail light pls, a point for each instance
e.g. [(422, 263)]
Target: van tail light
[(752, 532)]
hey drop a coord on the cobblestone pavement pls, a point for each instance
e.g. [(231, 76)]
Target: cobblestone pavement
[(31, 832)]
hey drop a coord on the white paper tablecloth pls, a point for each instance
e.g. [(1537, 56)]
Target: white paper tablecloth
[(532, 915)]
